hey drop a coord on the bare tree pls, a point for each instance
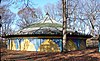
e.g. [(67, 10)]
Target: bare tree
[(51, 9), (82, 14), (91, 13), (7, 18), (27, 17), (54, 10), (27, 13), (39, 13)]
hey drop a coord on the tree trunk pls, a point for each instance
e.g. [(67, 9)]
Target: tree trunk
[(99, 43), (64, 24)]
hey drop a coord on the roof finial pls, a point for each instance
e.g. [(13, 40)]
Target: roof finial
[(47, 13)]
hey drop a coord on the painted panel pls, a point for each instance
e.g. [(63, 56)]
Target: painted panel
[(71, 45), (82, 45), (77, 43), (26, 45), (58, 42), (8, 44), (44, 44), (12, 45), (20, 40), (16, 41), (49, 46), (36, 42)]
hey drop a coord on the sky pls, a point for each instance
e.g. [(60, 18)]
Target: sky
[(35, 3), (42, 3)]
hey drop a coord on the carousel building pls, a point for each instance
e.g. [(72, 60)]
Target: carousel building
[(45, 36)]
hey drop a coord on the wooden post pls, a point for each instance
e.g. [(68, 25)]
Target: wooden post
[(64, 23)]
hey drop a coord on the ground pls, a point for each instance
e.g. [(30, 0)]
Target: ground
[(82, 55)]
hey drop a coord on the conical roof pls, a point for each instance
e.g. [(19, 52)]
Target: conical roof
[(46, 26)]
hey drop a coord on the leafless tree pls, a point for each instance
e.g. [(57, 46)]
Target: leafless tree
[(27, 17), (90, 11), (54, 10), (7, 18), (81, 13), (50, 8), (39, 13)]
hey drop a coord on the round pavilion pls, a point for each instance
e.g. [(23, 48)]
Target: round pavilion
[(45, 36)]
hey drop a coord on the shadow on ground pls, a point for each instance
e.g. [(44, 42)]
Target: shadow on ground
[(82, 55)]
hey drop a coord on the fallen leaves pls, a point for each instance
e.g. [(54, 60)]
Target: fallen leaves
[(82, 55)]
